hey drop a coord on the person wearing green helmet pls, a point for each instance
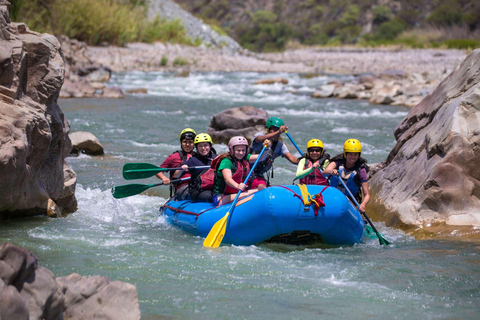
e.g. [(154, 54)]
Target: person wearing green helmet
[(275, 127), (353, 170), (178, 158)]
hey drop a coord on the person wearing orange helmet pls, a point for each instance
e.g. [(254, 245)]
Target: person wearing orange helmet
[(231, 170), (352, 169), (315, 158)]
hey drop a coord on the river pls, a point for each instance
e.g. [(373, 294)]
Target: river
[(176, 277)]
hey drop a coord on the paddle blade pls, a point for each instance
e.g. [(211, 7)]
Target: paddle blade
[(140, 170), (215, 236), (129, 190)]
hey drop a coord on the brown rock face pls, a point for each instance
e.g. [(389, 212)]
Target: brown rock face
[(33, 130), (28, 291), (243, 121), (433, 173)]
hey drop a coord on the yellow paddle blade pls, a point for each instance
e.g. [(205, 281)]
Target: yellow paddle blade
[(215, 236)]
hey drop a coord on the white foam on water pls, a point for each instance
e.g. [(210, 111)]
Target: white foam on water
[(336, 113)]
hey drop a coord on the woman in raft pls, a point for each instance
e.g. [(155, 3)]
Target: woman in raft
[(200, 186), (353, 171), (315, 158), (231, 170)]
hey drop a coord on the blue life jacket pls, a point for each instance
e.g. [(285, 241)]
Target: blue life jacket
[(348, 179)]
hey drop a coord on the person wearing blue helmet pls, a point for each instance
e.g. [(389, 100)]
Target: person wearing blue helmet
[(274, 128)]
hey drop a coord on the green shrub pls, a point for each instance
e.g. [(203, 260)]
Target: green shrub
[(389, 30), (179, 62), (164, 61), (462, 43), (381, 14), (446, 14)]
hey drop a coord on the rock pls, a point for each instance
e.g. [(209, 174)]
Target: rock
[(77, 89), (137, 91), (113, 92), (99, 75), (97, 85), (385, 95), (432, 174), (29, 291), (335, 82), (347, 91), (243, 121), (271, 81), (324, 91), (85, 142), (33, 130), (97, 297), (413, 101)]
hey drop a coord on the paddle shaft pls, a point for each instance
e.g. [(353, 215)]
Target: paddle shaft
[(291, 139), (380, 238), (133, 189), (157, 170)]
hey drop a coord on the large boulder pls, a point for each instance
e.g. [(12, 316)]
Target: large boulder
[(243, 121), (85, 142), (432, 175), (33, 129), (28, 291)]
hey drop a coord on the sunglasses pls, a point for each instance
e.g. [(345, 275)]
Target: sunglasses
[(315, 150)]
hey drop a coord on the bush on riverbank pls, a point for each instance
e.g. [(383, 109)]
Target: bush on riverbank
[(98, 21)]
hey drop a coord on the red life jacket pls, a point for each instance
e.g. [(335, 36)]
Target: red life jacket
[(314, 177), (240, 171), (178, 159)]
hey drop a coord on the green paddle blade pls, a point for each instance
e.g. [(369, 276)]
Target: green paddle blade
[(130, 190), (140, 170)]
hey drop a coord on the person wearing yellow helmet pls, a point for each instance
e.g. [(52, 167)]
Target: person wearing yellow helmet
[(352, 169), (178, 158), (200, 186), (315, 158), (274, 127)]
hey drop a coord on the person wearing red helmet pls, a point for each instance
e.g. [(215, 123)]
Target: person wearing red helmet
[(231, 169)]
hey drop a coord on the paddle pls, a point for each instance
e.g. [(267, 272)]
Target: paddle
[(381, 239), (133, 189), (145, 170), (216, 234)]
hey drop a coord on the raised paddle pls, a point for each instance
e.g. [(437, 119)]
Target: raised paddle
[(216, 234), (133, 189), (381, 239), (133, 171)]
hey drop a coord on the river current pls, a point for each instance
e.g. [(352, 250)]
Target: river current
[(176, 277)]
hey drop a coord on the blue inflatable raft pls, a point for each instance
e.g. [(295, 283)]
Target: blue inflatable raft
[(275, 214)]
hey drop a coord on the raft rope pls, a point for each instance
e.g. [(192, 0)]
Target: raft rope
[(307, 198)]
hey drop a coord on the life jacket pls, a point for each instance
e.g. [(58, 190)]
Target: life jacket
[(351, 180), (314, 177), (204, 180), (240, 171)]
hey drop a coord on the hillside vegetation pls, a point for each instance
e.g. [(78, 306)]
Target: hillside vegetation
[(269, 25), (98, 21)]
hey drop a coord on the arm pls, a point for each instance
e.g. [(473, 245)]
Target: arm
[(366, 196), (163, 177), (227, 175), (290, 157), (331, 168), (300, 172), (269, 136)]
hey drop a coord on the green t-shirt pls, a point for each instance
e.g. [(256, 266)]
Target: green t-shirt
[(224, 164)]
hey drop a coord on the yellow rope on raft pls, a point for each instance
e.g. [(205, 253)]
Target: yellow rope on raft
[(307, 197)]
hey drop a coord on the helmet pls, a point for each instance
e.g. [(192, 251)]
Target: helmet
[(315, 143), (274, 121), (187, 133), (236, 141), (203, 137), (351, 145)]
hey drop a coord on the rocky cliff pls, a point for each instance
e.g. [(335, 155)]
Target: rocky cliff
[(432, 175), (33, 130)]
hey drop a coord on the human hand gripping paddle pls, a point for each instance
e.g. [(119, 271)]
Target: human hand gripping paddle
[(145, 170), (135, 188), (216, 234), (381, 239)]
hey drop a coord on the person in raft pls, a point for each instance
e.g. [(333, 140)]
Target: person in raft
[(231, 170), (275, 127), (178, 158), (307, 169), (200, 186), (353, 169)]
